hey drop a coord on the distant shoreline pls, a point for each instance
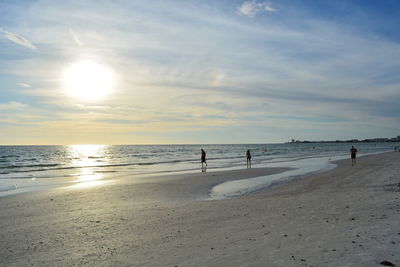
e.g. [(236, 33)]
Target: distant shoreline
[(375, 140)]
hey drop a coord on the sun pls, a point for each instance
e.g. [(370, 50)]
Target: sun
[(88, 80)]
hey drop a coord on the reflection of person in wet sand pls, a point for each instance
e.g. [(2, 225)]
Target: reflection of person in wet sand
[(248, 155), (203, 160), (353, 152)]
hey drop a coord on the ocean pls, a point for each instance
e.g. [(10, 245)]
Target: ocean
[(33, 168)]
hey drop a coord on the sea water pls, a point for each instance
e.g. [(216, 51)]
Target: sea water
[(32, 168)]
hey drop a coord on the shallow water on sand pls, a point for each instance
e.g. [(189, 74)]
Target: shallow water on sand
[(300, 167)]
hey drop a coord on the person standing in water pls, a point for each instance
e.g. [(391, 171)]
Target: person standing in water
[(203, 160), (353, 152), (248, 155)]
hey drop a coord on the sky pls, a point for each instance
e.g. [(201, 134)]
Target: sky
[(198, 72)]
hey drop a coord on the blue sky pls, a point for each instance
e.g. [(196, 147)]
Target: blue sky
[(200, 71)]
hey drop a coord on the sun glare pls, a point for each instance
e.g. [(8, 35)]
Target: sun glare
[(88, 81)]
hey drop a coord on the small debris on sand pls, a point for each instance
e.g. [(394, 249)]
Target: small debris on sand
[(387, 263)]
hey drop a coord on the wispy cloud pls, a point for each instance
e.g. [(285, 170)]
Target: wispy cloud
[(18, 39), (12, 105), (75, 37), (24, 85), (251, 8), (271, 78)]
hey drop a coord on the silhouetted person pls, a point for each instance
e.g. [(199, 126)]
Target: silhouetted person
[(248, 155), (353, 152), (203, 160)]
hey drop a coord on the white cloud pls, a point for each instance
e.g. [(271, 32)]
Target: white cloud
[(18, 39), (270, 9), (75, 36), (251, 8)]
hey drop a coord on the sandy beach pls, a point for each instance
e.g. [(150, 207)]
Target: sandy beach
[(348, 216)]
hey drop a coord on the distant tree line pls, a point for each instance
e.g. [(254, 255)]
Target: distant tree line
[(371, 140)]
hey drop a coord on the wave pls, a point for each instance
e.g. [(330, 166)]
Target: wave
[(8, 188), (61, 167), (9, 156), (29, 166)]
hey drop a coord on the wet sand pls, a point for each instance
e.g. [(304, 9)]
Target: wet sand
[(348, 216)]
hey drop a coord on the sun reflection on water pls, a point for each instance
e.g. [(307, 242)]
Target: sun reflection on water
[(86, 159)]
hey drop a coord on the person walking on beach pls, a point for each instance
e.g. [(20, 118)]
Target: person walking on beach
[(353, 152), (203, 160), (248, 155)]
